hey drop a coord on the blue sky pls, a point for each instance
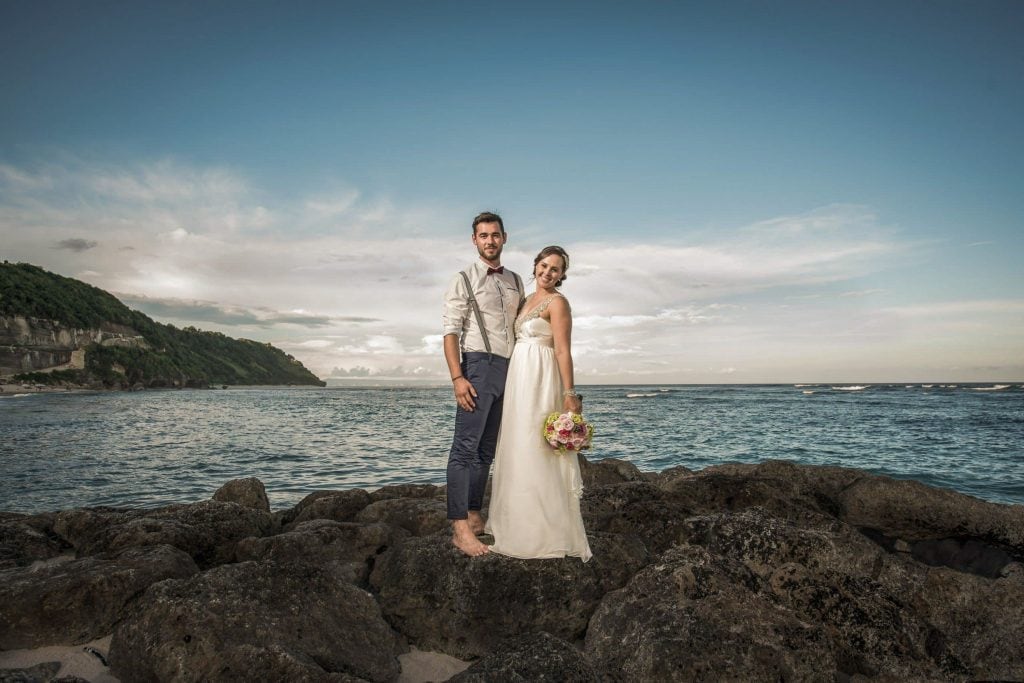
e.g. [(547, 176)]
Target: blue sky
[(751, 192)]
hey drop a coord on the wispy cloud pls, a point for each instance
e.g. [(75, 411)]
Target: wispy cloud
[(227, 314), (76, 244)]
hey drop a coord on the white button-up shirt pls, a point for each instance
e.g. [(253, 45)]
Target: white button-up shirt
[(498, 299)]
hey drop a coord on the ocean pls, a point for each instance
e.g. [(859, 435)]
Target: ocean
[(143, 449)]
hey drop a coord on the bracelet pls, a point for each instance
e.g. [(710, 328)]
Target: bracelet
[(455, 378), (571, 392)]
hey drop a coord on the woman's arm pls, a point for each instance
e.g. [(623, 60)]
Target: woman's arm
[(561, 328)]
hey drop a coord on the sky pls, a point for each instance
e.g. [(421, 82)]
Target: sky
[(749, 191)]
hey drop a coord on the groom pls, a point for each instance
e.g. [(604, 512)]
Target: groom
[(479, 316)]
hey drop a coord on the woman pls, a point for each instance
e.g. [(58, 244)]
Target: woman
[(535, 497)]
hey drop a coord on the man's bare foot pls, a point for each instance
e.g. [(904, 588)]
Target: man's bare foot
[(476, 522), (465, 540)]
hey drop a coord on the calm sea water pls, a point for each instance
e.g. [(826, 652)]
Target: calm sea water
[(59, 451)]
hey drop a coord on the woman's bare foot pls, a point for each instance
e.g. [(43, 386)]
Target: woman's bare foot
[(465, 540), (476, 522)]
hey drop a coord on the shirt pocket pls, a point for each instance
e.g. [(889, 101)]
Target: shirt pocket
[(509, 289)]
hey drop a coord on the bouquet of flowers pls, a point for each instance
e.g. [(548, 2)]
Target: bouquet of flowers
[(567, 432)]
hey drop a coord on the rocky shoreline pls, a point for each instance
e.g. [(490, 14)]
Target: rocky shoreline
[(736, 572)]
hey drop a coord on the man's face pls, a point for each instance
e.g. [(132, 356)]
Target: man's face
[(489, 239)]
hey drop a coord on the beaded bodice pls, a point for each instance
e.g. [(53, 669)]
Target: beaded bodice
[(533, 313)]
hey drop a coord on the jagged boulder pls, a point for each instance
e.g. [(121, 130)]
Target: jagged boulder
[(693, 616), (976, 621), (208, 531), (442, 600), (913, 511), (351, 547), (638, 509), (408, 491), (418, 516), (777, 487), (80, 527), (608, 471), (248, 493), (340, 506), (80, 600), (255, 621), (27, 539), (809, 601), (530, 657), (43, 672), (669, 475)]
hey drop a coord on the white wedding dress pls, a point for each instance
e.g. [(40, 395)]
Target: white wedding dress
[(535, 492)]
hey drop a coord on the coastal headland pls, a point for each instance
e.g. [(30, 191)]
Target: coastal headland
[(771, 571)]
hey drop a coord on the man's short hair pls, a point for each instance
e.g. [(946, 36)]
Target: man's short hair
[(488, 217)]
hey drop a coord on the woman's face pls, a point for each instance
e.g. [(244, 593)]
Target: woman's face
[(549, 270)]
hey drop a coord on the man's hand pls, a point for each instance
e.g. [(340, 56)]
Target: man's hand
[(464, 394)]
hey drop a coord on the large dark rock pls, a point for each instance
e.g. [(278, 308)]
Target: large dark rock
[(692, 616), (208, 531), (80, 600), (913, 511), (442, 600), (248, 493), (350, 547), (80, 527), (530, 657), (408, 491), (340, 506), (418, 516), (976, 621), (811, 602), (255, 621), (638, 509), (608, 471), (40, 673), (778, 487), (27, 539)]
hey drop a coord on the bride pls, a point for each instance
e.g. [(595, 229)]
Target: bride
[(535, 497)]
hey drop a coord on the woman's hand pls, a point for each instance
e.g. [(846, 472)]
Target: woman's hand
[(572, 404)]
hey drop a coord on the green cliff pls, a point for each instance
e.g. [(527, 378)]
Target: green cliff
[(54, 328)]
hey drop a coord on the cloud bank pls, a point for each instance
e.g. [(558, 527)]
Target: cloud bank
[(351, 285)]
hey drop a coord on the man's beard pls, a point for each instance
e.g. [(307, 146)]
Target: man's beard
[(483, 254)]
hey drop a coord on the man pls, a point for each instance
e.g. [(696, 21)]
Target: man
[(478, 341)]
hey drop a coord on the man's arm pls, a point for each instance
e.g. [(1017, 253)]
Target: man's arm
[(464, 391), (456, 308)]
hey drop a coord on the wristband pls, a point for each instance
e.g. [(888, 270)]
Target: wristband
[(455, 378)]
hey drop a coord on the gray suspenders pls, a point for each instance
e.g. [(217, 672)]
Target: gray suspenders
[(476, 307)]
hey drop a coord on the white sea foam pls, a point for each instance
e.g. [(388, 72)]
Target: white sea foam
[(995, 387), (855, 387), (13, 395), (927, 386), (640, 395), (809, 392)]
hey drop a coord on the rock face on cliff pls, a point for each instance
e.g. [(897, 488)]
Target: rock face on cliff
[(33, 344), (740, 572)]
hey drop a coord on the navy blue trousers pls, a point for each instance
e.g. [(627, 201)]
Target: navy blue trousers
[(476, 434)]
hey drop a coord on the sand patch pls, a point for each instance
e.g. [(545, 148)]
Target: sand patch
[(74, 660)]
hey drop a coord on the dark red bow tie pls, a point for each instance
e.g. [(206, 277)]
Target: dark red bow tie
[(499, 270)]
